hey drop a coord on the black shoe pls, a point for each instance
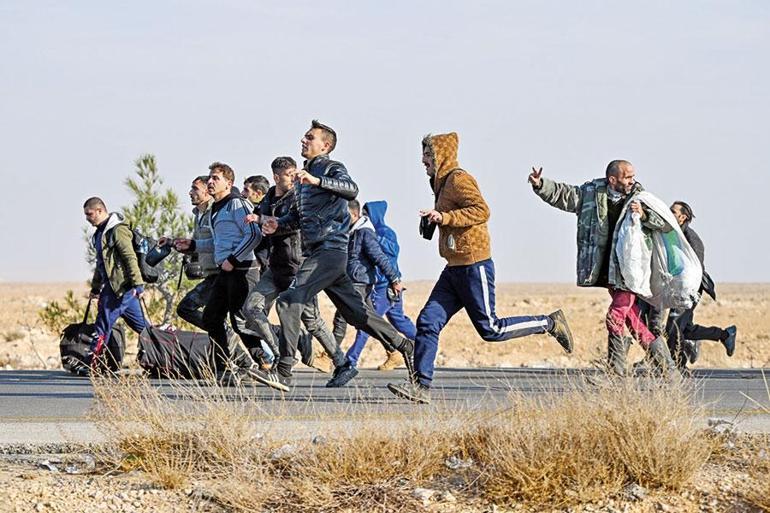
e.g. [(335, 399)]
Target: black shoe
[(271, 378), (342, 375), (407, 352), (560, 330), (729, 344), (416, 392), (692, 350)]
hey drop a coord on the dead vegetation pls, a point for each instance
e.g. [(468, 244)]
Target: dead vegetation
[(551, 451)]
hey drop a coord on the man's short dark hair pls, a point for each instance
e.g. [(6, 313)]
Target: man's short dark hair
[(225, 170), (201, 178), (685, 209), (257, 183), (613, 168), (283, 163), (95, 202), (329, 135), (355, 206)]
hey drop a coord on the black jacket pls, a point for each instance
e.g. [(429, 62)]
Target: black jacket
[(262, 251), (321, 212), (365, 255), (707, 284), (284, 246)]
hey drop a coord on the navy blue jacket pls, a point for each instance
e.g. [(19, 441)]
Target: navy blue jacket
[(375, 211), (365, 255), (321, 212)]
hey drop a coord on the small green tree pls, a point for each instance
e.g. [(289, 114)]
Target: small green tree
[(154, 212)]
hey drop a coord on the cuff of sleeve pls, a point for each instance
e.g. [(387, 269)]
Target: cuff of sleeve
[(446, 217), (234, 261)]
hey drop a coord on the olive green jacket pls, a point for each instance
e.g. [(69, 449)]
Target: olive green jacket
[(589, 202), (119, 257)]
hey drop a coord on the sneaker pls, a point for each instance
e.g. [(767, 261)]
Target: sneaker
[(729, 344), (391, 362), (560, 330), (271, 378), (342, 375), (416, 392), (323, 363)]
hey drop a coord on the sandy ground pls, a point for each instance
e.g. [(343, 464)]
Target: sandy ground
[(43, 484), (24, 343)]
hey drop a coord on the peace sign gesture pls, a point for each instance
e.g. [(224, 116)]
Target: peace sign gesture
[(534, 177)]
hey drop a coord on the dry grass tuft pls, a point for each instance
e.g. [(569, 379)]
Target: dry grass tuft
[(560, 450)]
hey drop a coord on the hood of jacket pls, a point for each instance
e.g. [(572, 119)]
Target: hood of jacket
[(376, 210), (443, 148), (363, 222), (114, 219)]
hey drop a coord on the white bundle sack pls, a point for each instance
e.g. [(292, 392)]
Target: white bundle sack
[(671, 277), (634, 257)]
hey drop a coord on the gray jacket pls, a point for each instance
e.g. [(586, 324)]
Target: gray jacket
[(589, 202), (202, 230), (231, 238)]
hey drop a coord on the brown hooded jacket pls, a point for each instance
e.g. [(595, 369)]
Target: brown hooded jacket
[(463, 232)]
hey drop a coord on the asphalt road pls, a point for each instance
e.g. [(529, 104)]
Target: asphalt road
[(39, 407)]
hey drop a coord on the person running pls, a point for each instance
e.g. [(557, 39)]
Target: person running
[(284, 259), (598, 205), (117, 281), (371, 252), (320, 211), (200, 265), (468, 280), (684, 335)]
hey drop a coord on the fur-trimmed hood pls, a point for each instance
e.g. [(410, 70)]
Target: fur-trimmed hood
[(443, 148)]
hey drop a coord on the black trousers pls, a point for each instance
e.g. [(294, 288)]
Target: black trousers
[(325, 270), (228, 293), (680, 327)]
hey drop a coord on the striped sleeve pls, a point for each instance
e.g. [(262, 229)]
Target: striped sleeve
[(252, 236)]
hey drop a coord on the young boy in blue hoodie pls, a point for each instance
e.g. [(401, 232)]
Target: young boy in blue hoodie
[(388, 304), (365, 258)]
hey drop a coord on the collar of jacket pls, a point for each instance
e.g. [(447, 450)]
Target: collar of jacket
[(272, 198), (198, 211), (216, 206), (318, 158), (112, 221)]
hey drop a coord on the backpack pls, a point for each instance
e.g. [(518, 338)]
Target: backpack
[(142, 245), (75, 344)]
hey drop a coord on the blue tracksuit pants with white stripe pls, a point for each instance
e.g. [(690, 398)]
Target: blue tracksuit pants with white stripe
[(471, 287)]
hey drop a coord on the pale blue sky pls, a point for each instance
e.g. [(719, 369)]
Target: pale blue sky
[(681, 89)]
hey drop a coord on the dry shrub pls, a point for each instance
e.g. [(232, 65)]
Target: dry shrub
[(374, 469), (171, 436), (558, 450), (758, 492)]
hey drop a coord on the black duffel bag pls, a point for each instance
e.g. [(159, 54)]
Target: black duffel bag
[(75, 344), (176, 354)]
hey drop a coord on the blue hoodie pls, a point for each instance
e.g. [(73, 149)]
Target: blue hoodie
[(387, 238)]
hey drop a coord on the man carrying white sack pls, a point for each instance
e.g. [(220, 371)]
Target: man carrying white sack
[(604, 206)]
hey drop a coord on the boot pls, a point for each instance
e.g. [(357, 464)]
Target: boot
[(617, 354), (661, 359), (391, 362), (560, 330)]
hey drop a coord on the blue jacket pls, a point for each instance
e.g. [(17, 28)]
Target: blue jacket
[(231, 238), (321, 212), (387, 238), (365, 256)]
